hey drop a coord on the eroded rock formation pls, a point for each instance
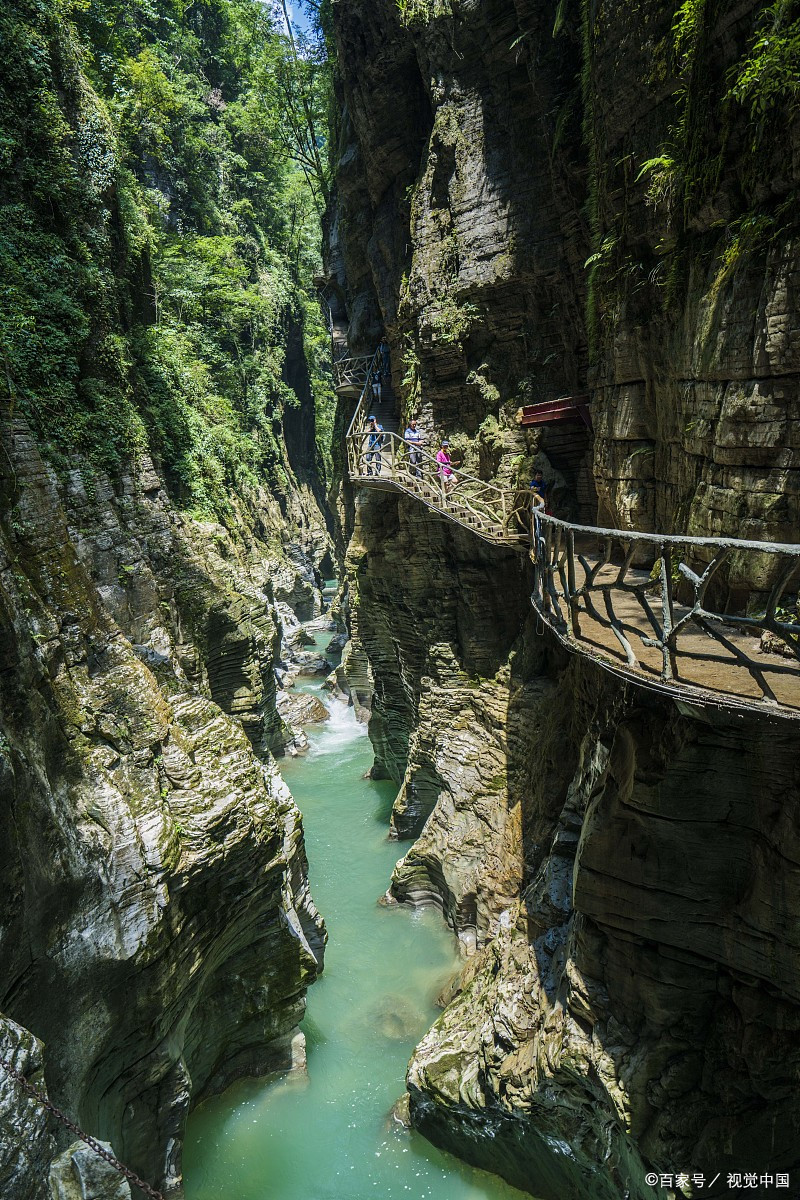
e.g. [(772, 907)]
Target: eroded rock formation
[(625, 869), (26, 1139), (158, 929)]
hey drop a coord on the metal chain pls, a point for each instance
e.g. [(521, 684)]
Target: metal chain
[(91, 1142)]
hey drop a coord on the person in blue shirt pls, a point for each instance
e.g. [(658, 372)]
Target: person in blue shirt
[(538, 490)]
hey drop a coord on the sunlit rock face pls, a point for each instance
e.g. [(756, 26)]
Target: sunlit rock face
[(638, 1006), (158, 930), (620, 873), (26, 1137)]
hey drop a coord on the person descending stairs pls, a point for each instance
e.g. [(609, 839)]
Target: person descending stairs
[(383, 408)]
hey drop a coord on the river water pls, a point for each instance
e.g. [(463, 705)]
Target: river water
[(329, 1137)]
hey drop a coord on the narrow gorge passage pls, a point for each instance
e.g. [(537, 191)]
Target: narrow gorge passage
[(331, 1135)]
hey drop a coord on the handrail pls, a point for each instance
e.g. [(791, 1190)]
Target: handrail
[(358, 414), (344, 359), (593, 574), (350, 371), (497, 511), (673, 539), (666, 607), (492, 512)]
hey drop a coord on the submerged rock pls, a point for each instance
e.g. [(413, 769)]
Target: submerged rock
[(400, 1116), (396, 1019)]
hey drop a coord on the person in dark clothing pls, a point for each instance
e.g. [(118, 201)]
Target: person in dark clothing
[(385, 358), (538, 490)]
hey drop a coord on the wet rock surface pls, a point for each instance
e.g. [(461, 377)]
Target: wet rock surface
[(80, 1174), (27, 1143)]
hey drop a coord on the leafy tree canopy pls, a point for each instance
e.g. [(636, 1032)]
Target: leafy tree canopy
[(163, 171)]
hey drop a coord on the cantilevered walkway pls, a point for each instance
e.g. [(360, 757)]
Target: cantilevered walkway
[(645, 606)]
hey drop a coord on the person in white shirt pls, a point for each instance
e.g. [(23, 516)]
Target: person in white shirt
[(413, 439)]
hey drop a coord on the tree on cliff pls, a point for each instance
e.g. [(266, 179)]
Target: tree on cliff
[(157, 231)]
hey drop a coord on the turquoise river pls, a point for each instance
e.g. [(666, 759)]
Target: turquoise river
[(330, 1137)]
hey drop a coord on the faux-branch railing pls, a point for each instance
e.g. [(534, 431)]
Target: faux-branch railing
[(496, 514), (351, 372), (593, 575), (578, 567)]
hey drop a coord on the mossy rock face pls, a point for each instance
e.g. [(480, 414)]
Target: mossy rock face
[(158, 928), (500, 226)]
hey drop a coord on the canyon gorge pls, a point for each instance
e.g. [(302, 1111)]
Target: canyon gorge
[(541, 202), (587, 199)]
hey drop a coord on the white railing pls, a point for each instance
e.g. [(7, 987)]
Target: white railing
[(350, 371), (385, 458)]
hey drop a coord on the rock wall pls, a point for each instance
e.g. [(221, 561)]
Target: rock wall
[(695, 295), (439, 643), (614, 862), (637, 1009), (158, 932), (26, 1139)]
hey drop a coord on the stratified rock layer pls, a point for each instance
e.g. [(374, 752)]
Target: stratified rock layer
[(26, 1138), (158, 928), (624, 869), (640, 1004)]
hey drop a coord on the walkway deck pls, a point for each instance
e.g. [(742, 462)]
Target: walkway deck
[(645, 607)]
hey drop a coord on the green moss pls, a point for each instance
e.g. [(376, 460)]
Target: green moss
[(420, 12), (153, 236), (755, 91), (449, 321)]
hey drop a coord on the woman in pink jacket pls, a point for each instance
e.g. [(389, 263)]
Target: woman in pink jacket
[(445, 467)]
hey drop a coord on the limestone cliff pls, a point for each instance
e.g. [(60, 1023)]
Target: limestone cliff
[(624, 869), (158, 930), (162, 462), (26, 1140)]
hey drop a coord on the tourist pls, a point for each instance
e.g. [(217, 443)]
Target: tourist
[(538, 490), (376, 387), (445, 468), (374, 446), (413, 439), (385, 357)]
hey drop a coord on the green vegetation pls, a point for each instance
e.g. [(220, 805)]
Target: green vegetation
[(769, 77), (419, 12), (732, 103), (450, 321), (163, 173)]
